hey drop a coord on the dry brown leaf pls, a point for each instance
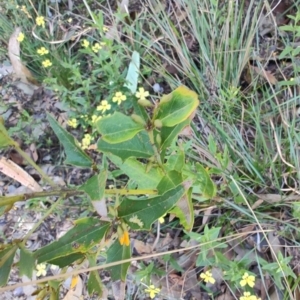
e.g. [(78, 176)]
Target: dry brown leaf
[(266, 74), (141, 247), (12, 170), (21, 72)]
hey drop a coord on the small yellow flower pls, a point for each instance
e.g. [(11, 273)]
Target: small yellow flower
[(47, 63), (161, 220), (152, 290), (248, 296), (124, 239), (86, 141), (96, 118), (105, 28), (247, 279), (40, 21), (119, 97), (104, 106), (72, 123), (70, 20), (96, 47), (85, 43), (41, 270), (207, 277), (42, 51), (142, 94), (20, 37)]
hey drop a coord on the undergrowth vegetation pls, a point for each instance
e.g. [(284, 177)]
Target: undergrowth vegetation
[(186, 114)]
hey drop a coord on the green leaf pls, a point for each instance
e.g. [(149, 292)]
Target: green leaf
[(139, 146), (168, 135), (179, 108), (75, 155), (6, 260), (184, 211), (140, 214), (95, 186), (5, 139), (27, 262), (94, 283), (86, 234), (118, 128), (207, 186), (169, 181), (137, 172), (117, 252), (133, 72), (176, 161)]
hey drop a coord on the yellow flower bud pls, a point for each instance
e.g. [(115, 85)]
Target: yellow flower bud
[(158, 123), (145, 103), (138, 119)]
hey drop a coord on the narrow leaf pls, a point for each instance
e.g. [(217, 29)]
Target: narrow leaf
[(117, 252), (133, 72), (26, 263), (140, 214), (86, 234), (75, 155), (6, 260), (206, 184)]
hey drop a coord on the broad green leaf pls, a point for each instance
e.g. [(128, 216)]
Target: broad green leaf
[(140, 214), (133, 72), (139, 146), (5, 139), (86, 233), (27, 262), (95, 186), (180, 107), (184, 210), (118, 128), (137, 172), (169, 134), (169, 181), (94, 284), (75, 155), (6, 260), (207, 186), (176, 161), (117, 252), (67, 260)]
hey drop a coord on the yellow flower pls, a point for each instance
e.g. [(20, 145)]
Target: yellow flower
[(207, 277), (104, 106), (40, 21), (47, 63), (152, 290), (248, 296), (85, 43), (70, 20), (96, 118), (72, 123), (119, 97), (96, 47), (124, 239), (42, 51), (105, 28), (247, 279), (20, 37), (142, 94), (86, 141), (41, 270), (161, 220)]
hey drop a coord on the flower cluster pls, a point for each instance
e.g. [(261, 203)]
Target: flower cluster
[(207, 277), (73, 123), (247, 280), (20, 37), (119, 97), (152, 291), (97, 46), (248, 296), (40, 21), (86, 141)]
